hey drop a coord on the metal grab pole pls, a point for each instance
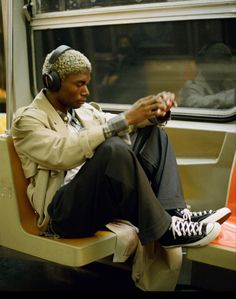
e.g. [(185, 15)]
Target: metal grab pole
[(7, 10)]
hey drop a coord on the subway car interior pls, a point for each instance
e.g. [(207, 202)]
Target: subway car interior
[(137, 48)]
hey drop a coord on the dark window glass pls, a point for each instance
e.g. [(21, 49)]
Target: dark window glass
[(194, 59)]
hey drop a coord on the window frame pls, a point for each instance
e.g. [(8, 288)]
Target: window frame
[(141, 13), (136, 13)]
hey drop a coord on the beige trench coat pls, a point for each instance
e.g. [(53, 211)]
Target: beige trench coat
[(46, 148), (154, 268)]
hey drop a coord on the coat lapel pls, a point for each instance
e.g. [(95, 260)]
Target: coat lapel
[(54, 118)]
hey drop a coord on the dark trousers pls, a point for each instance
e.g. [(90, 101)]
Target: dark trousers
[(154, 152), (136, 183)]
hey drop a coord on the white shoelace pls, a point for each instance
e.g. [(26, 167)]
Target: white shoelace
[(187, 214), (183, 228)]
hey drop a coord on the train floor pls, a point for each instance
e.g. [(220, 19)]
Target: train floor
[(21, 273)]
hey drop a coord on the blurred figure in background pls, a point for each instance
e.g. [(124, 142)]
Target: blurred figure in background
[(215, 83), (125, 80)]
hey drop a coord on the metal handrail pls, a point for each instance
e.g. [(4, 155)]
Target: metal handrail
[(7, 8)]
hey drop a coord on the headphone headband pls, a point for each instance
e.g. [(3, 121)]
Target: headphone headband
[(58, 52)]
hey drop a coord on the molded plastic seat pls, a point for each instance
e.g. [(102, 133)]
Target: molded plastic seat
[(222, 251), (2, 122), (18, 229)]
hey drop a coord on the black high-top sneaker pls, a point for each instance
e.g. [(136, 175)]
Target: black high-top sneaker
[(207, 216), (189, 234)]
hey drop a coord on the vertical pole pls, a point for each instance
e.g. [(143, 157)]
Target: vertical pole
[(7, 10)]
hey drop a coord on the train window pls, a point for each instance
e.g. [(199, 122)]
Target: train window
[(2, 68), (132, 60), (45, 6), (134, 52)]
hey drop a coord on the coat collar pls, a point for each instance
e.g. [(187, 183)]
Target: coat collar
[(43, 103)]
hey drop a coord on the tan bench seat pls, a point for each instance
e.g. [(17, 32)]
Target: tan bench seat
[(222, 251), (18, 229)]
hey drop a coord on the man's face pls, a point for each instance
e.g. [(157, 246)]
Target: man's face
[(74, 90)]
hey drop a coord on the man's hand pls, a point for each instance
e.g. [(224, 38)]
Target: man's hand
[(150, 106)]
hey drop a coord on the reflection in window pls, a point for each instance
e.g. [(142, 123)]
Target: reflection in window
[(132, 60), (214, 85)]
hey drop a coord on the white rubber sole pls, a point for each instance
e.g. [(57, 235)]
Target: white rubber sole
[(219, 216)]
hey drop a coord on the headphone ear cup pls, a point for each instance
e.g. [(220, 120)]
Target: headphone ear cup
[(52, 81)]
